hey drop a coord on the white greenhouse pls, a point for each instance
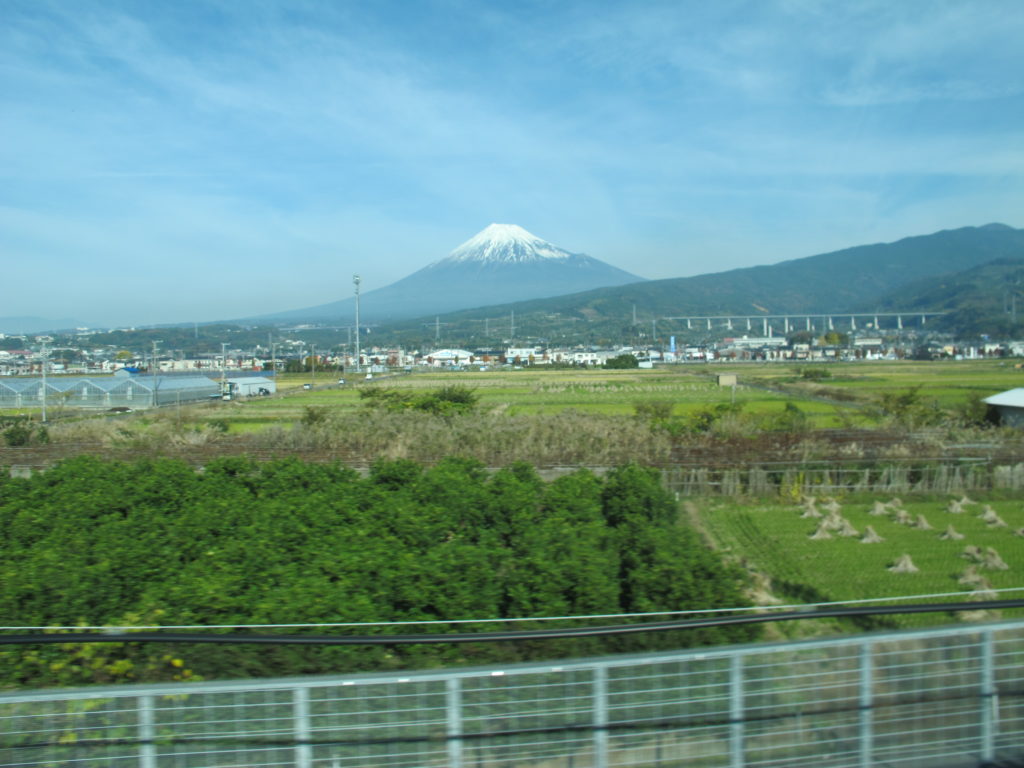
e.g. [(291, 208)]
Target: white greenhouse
[(106, 392)]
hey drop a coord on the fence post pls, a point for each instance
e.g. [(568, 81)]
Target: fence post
[(867, 746), (147, 733), (601, 717), (989, 699), (453, 702), (300, 715), (736, 711)]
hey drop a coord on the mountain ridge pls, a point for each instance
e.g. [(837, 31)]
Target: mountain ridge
[(848, 280), (503, 262)]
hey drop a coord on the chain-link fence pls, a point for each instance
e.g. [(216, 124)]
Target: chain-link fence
[(940, 697)]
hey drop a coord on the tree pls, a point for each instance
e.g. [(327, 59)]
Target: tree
[(622, 362), (835, 339)]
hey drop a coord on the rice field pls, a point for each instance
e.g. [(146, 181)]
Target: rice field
[(947, 382), (807, 559), (539, 391), (763, 389)]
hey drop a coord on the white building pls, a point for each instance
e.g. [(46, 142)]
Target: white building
[(447, 357)]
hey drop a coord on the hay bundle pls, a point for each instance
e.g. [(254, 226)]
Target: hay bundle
[(966, 500), (955, 508), (834, 521), (922, 524), (832, 506), (993, 561), (903, 564), (903, 517), (870, 536), (1019, 532), (895, 503), (821, 534), (811, 511), (951, 534), (973, 553), (878, 510), (992, 518), (846, 528), (971, 578)]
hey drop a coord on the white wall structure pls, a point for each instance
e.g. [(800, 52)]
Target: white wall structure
[(247, 386)]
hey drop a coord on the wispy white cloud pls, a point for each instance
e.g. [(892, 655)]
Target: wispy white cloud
[(314, 137)]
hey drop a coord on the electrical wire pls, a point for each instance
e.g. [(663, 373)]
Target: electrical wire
[(510, 635), (436, 622)]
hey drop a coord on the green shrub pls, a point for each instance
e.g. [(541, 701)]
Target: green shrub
[(622, 362)]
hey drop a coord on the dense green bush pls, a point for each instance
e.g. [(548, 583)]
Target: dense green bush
[(108, 543), (450, 399), (623, 361)]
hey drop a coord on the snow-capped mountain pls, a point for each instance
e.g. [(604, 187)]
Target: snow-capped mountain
[(501, 264), (508, 244)]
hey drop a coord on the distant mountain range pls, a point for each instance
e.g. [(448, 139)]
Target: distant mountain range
[(863, 279), (22, 324), (974, 274), (503, 263)]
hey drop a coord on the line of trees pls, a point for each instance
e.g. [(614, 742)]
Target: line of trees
[(156, 542)]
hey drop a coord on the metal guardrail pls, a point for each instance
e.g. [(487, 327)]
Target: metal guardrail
[(941, 697)]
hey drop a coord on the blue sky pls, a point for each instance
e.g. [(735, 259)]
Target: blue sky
[(178, 161)]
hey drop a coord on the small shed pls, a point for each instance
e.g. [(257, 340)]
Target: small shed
[(1010, 405)]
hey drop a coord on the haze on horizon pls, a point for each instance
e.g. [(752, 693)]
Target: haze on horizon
[(170, 162)]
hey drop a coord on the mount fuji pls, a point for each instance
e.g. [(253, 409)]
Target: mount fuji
[(503, 263)]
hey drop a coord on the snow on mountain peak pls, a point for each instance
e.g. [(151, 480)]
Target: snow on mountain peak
[(506, 243)]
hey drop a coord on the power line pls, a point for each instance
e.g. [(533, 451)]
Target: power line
[(435, 622), (235, 638)]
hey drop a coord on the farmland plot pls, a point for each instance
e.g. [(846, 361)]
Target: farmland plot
[(809, 560)]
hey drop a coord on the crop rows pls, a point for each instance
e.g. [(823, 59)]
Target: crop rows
[(778, 541)]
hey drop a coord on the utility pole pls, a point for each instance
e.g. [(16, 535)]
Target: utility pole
[(437, 329), (512, 327), (223, 368), (152, 371), (43, 353), (312, 366), (356, 281)]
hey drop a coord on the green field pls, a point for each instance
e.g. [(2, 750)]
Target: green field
[(773, 539), (947, 382), (845, 396)]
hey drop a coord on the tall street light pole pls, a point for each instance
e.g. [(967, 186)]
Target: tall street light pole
[(223, 369), (152, 372), (43, 354), (355, 282)]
